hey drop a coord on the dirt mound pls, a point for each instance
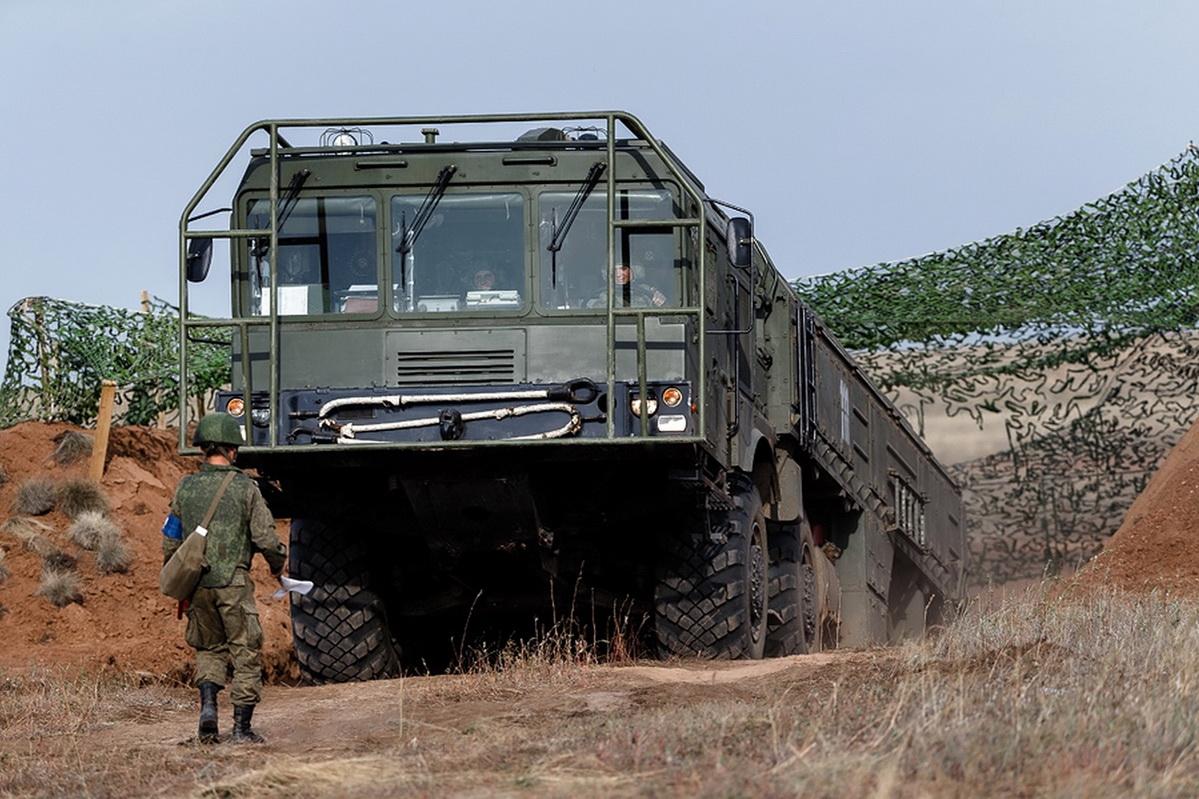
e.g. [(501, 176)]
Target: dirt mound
[(123, 622), (1156, 546)]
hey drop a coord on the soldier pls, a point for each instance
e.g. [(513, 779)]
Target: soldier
[(222, 620), (631, 291)]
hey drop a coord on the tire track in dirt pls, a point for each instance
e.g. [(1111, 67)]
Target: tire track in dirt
[(353, 718)]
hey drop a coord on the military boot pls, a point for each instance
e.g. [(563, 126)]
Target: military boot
[(242, 733), (208, 712)]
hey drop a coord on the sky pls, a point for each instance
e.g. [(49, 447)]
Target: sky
[(857, 132)]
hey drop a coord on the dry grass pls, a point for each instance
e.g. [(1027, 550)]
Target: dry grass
[(35, 497), (352, 776), (54, 559), (24, 529), (112, 555), (1096, 696), (95, 531), (80, 495), (49, 719), (73, 446), (60, 587), (32, 534), (90, 527), (1082, 697)]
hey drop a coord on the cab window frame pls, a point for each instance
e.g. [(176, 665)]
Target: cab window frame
[(245, 266), (678, 233), (528, 260)]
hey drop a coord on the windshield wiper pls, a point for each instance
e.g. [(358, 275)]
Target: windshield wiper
[(286, 206), (572, 212), (436, 192)]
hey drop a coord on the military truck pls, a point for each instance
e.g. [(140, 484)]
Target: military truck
[(543, 368)]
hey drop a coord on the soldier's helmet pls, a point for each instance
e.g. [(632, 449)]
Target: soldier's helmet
[(219, 428)]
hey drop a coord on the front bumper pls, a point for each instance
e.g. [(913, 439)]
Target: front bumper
[(355, 417)]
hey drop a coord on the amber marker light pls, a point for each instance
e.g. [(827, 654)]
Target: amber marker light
[(672, 397), (235, 406)]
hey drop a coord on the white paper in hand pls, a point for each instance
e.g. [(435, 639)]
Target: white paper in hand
[(300, 587)]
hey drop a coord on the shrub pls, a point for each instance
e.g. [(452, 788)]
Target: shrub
[(60, 587), (112, 556), (54, 558), (79, 495), (3, 476), (30, 532), (72, 446), (35, 497), (89, 527)]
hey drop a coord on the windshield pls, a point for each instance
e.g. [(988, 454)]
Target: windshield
[(469, 257), (328, 262), (649, 272)]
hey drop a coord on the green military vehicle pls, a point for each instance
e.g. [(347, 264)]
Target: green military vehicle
[(489, 376)]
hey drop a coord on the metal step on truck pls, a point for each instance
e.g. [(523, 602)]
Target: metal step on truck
[(544, 367)]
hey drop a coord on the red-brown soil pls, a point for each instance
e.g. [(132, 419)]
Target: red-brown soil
[(124, 622), (1157, 546)]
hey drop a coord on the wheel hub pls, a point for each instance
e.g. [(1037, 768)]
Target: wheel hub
[(757, 583)]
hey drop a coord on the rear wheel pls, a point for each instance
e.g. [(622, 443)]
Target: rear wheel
[(794, 592), (710, 597), (340, 628)]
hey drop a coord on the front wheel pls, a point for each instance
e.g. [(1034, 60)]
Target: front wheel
[(340, 628), (710, 596)]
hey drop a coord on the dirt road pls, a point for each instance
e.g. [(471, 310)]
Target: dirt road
[(548, 730)]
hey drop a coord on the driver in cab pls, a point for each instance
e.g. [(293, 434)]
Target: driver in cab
[(631, 290)]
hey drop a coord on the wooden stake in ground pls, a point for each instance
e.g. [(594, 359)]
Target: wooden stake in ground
[(108, 389)]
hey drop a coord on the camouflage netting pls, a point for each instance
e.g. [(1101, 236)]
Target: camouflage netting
[(60, 351), (1078, 337)]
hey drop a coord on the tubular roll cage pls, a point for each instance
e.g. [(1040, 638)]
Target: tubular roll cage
[(279, 146)]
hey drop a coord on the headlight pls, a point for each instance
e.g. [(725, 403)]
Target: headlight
[(651, 406), (235, 407), (261, 416), (672, 397)]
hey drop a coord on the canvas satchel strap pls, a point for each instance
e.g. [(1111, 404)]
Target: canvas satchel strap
[(216, 500)]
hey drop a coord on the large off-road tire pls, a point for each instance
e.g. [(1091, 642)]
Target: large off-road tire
[(710, 597), (340, 628), (794, 594)]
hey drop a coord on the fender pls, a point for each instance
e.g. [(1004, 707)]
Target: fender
[(761, 433)]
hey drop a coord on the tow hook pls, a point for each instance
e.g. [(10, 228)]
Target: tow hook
[(449, 421), (580, 391)]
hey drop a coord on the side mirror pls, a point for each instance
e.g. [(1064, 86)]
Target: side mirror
[(199, 258), (739, 237)]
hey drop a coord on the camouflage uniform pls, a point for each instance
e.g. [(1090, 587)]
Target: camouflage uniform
[(222, 622)]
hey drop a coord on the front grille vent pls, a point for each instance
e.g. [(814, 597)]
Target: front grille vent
[(455, 367)]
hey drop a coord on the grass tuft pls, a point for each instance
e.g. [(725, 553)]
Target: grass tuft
[(112, 556), (4, 573), (35, 497), (90, 527), (73, 446), (31, 533), (80, 495), (34, 537), (3, 476), (57, 560), (60, 587)]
